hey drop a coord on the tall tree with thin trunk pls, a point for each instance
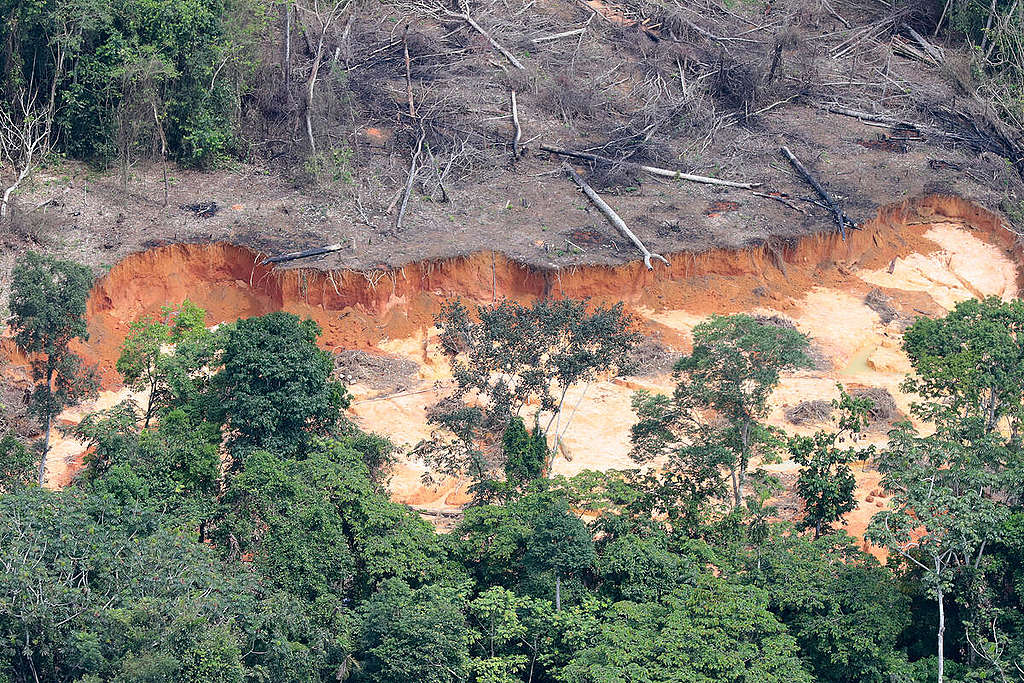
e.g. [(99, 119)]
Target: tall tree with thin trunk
[(715, 416), (952, 489), (48, 305), (948, 492)]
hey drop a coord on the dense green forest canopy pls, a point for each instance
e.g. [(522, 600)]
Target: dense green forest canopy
[(245, 533)]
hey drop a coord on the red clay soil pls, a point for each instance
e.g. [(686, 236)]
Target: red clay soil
[(360, 310), (392, 310)]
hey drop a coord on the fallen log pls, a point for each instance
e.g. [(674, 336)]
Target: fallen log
[(612, 217), (865, 116), (556, 36), (653, 170), (841, 219), (495, 44), (291, 256)]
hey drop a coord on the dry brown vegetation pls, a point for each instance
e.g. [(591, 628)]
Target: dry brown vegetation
[(390, 128)]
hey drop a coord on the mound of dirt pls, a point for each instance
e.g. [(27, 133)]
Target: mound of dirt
[(878, 302), (387, 374)]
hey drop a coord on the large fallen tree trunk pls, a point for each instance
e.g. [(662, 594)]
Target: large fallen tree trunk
[(612, 217), (841, 219), (653, 170), (487, 36), (308, 253)]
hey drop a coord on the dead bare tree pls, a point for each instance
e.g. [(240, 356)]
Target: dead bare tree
[(321, 17), (24, 136)]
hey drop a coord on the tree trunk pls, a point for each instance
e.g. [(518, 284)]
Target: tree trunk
[(737, 497), (558, 595), (46, 448), (742, 465), (49, 423), (942, 632), (149, 403), (742, 483)]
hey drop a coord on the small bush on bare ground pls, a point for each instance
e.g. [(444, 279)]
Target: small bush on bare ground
[(651, 357)]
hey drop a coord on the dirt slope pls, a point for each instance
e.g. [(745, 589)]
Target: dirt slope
[(924, 257)]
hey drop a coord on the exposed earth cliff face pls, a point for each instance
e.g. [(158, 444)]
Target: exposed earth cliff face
[(918, 258)]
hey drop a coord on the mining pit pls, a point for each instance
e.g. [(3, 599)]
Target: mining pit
[(852, 297)]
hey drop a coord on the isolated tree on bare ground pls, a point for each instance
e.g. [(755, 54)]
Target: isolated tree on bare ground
[(826, 483), (508, 356), (143, 362), (714, 418), (48, 305)]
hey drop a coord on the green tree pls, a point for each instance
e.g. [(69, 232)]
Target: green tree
[(526, 452), (735, 365), (156, 606), (143, 362), (319, 525), (174, 469), (16, 463), (560, 545), (972, 360), (512, 355), (154, 76), (273, 388), (498, 657), (953, 489), (714, 631), (643, 568), (844, 609), (48, 300), (826, 483), (416, 635), (948, 503)]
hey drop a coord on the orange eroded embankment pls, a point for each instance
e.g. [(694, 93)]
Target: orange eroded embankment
[(925, 255)]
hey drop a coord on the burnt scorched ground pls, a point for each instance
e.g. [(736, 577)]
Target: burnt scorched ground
[(696, 87)]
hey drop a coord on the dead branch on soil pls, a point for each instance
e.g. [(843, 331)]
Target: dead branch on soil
[(612, 217), (779, 198), (841, 219), (564, 34), (519, 131), (653, 170)]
